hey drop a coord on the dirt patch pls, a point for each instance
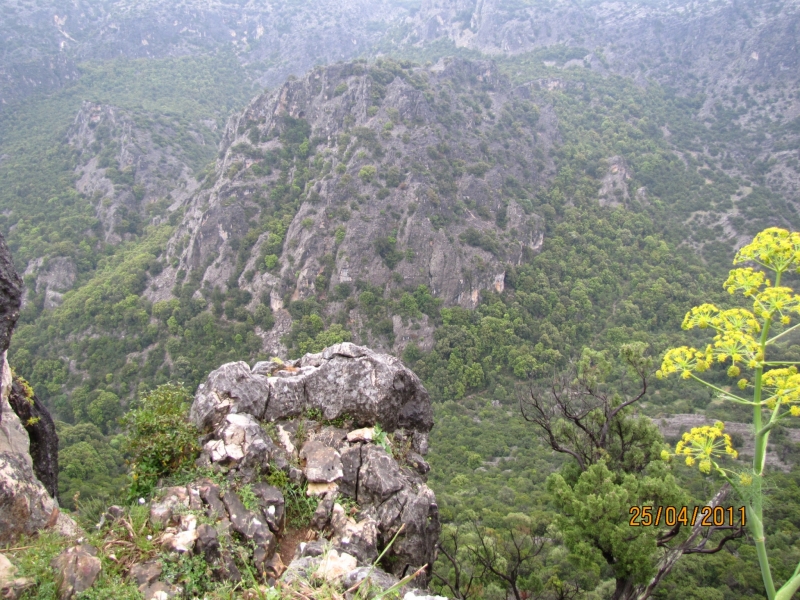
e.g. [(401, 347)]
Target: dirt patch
[(291, 539)]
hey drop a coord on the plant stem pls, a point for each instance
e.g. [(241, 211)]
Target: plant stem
[(756, 527), (728, 395), (756, 523), (783, 333)]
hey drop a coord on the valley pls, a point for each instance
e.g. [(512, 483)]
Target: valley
[(483, 189)]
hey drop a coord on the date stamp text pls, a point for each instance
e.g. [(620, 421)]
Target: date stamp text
[(718, 516)]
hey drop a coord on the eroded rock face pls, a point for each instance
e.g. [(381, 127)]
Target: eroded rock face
[(28, 459), (41, 431), (358, 389), (25, 506)]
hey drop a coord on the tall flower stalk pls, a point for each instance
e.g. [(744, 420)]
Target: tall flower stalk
[(742, 342)]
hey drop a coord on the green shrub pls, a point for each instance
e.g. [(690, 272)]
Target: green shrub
[(159, 438)]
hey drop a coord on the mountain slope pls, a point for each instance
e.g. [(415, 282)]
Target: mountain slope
[(383, 176)]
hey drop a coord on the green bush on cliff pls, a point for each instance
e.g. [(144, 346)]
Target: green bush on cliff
[(159, 438)]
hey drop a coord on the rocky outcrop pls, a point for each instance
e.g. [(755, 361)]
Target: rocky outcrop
[(11, 586), (347, 423), (25, 504), (343, 381), (41, 431), (124, 169), (77, 569)]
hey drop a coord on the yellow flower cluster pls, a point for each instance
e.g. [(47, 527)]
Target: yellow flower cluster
[(702, 444), (684, 360), (746, 281), (784, 385), (778, 300), (774, 248), (734, 320)]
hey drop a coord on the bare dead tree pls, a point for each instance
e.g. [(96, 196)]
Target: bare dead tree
[(579, 414), (695, 543), (514, 550), (463, 579)]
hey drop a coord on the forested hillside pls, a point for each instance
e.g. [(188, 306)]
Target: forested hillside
[(482, 189)]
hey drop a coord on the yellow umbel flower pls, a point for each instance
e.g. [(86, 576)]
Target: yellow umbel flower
[(738, 319), (701, 316), (684, 360), (776, 300), (705, 443), (784, 384), (746, 281), (773, 248), (738, 346)]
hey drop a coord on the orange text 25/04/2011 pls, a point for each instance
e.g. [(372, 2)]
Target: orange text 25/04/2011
[(718, 516)]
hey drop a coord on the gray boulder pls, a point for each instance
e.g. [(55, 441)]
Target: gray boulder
[(77, 569), (239, 439), (230, 389), (344, 380), (25, 506), (367, 387), (323, 463)]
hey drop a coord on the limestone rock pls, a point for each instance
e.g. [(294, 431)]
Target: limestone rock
[(181, 542), (145, 573), (41, 431), (359, 539), (25, 505), (377, 577), (379, 476), (161, 512), (343, 380), (346, 382), (335, 565), (161, 591), (11, 586), (77, 569), (210, 494), (272, 504), (369, 388), (301, 569), (275, 567), (365, 434), (323, 463), (10, 295), (230, 389), (255, 529), (240, 439)]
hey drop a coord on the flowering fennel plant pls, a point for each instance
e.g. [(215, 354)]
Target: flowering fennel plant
[(742, 342)]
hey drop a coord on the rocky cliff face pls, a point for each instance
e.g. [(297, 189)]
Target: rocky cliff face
[(128, 176), (736, 60), (27, 464), (389, 175)]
